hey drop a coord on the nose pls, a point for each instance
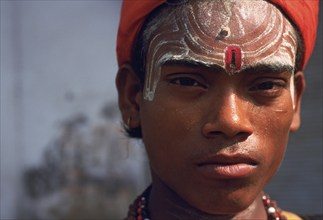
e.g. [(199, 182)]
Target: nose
[(229, 117)]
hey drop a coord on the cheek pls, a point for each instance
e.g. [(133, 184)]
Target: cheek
[(274, 119), (168, 130), (273, 132), (167, 119), (277, 123)]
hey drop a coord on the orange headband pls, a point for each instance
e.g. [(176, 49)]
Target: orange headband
[(303, 13)]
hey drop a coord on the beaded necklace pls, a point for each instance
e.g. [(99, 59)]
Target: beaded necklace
[(140, 211)]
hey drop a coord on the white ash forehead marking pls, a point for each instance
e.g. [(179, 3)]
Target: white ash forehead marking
[(194, 34)]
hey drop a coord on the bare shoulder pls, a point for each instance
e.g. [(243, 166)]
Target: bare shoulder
[(293, 216)]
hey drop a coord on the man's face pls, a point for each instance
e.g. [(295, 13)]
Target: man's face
[(219, 102)]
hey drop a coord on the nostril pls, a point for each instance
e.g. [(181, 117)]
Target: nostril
[(242, 136), (215, 129), (214, 133)]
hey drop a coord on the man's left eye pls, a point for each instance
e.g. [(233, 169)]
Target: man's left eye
[(265, 86), (268, 85)]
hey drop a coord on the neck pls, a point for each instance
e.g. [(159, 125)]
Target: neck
[(164, 203)]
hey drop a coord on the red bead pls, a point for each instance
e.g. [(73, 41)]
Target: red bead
[(266, 202)]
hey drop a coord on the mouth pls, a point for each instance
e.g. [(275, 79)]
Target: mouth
[(227, 166)]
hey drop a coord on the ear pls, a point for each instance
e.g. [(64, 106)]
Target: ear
[(129, 92), (299, 82)]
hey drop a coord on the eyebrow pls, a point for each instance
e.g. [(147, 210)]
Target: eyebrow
[(193, 63), (250, 69), (268, 68)]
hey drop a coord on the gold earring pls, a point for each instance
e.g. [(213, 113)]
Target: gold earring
[(128, 123)]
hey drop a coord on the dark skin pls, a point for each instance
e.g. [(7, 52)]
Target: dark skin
[(213, 140), (206, 124)]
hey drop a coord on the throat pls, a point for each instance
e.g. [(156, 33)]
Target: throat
[(164, 203), (159, 202)]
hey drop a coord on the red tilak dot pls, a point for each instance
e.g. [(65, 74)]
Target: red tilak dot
[(233, 58)]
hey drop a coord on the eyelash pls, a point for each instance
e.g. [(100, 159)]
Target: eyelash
[(269, 87), (186, 81), (262, 87)]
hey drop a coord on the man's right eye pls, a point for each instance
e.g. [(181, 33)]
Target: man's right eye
[(185, 81)]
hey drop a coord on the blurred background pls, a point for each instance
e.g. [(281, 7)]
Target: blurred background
[(63, 152)]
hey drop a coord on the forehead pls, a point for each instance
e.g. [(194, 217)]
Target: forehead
[(238, 18), (223, 32)]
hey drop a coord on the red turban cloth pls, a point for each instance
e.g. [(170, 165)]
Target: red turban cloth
[(303, 13)]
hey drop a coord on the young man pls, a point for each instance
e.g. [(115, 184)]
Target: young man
[(213, 88)]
